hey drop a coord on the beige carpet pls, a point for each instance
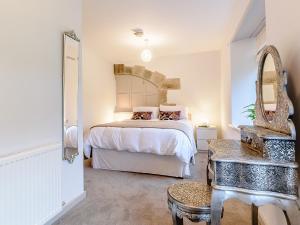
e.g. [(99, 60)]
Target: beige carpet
[(120, 198)]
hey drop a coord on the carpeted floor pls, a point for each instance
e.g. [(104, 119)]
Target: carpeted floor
[(120, 198)]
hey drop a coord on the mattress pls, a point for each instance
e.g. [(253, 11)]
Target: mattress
[(158, 141)]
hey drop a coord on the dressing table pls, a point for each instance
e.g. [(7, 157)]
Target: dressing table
[(260, 169)]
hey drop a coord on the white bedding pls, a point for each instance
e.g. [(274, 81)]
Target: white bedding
[(70, 137), (147, 140)]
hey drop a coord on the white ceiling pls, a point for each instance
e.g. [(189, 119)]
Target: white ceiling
[(252, 22), (172, 26)]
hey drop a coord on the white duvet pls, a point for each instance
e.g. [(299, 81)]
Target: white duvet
[(70, 137), (147, 140)]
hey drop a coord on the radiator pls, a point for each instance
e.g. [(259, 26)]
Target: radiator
[(30, 186)]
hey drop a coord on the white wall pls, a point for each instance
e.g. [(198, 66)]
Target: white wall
[(99, 86), (31, 70), (226, 119), (200, 82), (283, 32), (243, 77), (261, 39), (31, 78)]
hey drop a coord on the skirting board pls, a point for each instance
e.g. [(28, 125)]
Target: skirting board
[(66, 208)]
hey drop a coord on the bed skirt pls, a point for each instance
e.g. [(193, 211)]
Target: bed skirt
[(139, 162)]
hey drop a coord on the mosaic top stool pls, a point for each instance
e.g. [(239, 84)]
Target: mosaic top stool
[(190, 200)]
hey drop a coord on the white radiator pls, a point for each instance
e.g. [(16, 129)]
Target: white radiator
[(30, 186)]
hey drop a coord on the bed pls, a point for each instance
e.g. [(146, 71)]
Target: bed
[(143, 146)]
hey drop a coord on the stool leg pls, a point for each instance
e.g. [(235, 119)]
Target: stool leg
[(286, 218), (208, 180), (292, 211), (175, 218), (217, 201), (254, 210)]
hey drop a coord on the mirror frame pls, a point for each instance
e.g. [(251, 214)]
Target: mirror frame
[(284, 109), (69, 154)]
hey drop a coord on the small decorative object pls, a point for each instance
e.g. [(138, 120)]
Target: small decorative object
[(204, 122), (203, 125), (250, 110)]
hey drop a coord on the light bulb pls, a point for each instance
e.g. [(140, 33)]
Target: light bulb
[(146, 55)]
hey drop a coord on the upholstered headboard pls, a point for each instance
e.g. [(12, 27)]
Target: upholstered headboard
[(136, 86), (134, 91)]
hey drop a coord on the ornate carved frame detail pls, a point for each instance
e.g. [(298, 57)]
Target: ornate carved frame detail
[(156, 78), (72, 35), (281, 122)]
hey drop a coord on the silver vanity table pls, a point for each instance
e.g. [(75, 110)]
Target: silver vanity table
[(261, 168)]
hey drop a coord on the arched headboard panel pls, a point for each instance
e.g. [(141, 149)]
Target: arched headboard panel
[(136, 86)]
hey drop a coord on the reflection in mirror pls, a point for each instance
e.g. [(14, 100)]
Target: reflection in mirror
[(269, 88), (70, 92)]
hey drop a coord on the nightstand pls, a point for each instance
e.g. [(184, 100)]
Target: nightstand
[(204, 134)]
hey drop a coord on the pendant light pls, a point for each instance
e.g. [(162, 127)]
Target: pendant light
[(146, 54)]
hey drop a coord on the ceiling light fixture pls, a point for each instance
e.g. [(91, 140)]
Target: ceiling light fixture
[(146, 54), (138, 32)]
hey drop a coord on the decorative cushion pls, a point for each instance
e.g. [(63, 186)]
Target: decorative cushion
[(154, 110), (169, 115), (141, 115), (171, 108)]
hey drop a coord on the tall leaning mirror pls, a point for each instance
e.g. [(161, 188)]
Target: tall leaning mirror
[(71, 46)]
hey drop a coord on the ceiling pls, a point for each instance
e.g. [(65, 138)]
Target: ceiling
[(252, 22), (172, 26)]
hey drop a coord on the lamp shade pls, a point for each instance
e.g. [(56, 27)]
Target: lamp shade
[(146, 55)]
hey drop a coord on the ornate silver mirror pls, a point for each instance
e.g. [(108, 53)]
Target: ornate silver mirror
[(70, 95), (273, 106)]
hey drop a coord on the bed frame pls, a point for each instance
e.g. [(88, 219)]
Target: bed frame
[(139, 163)]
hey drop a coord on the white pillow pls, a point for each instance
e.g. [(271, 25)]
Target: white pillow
[(171, 108), (154, 110)]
